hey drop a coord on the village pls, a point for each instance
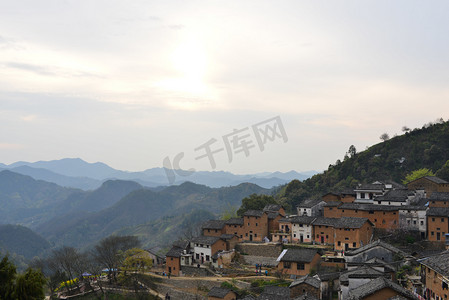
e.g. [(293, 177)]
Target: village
[(332, 248)]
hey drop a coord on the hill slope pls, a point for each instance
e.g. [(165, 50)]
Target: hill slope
[(390, 160), (21, 241)]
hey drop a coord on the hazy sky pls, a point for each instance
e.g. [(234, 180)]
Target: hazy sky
[(131, 82)]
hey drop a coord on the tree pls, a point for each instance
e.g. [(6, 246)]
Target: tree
[(443, 173), (7, 277), (229, 212), (30, 285), (137, 260), (110, 251), (70, 261), (384, 137), (405, 129), (417, 174), (352, 151), (256, 202)]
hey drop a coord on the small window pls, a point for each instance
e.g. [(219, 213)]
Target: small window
[(432, 233), (339, 243), (299, 266), (330, 208), (171, 258), (257, 224), (442, 220)]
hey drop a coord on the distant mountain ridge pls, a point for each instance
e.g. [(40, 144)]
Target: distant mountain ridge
[(77, 173)]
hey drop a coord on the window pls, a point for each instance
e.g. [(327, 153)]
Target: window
[(354, 245), (394, 213), (442, 220), (300, 225), (287, 265), (171, 258), (414, 222), (208, 230), (422, 222), (432, 233), (255, 235), (257, 224), (197, 256), (299, 266), (207, 257), (383, 222), (330, 208), (215, 230), (394, 222), (246, 234), (201, 245), (362, 195), (433, 219), (327, 236), (307, 236), (248, 223), (371, 212), (346, 239), (342, 210), (339, 243), (375, 220), (294, 235)]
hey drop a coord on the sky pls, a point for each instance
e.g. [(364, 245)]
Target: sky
[(131, 83)]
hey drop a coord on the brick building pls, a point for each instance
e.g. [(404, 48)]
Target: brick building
[(298, 262), (306, 285), (435, 276), (218, 293), (311, 208), (382, 216), (323, 230), (235, 226), (213, 228), (206, 246), (352, 233), (255, 224), (439, 199), (380, 289), (437, 223), (429, 184)]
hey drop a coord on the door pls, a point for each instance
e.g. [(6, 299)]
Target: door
[(346, 247), (322, 239), (169, 269), (250, 237), (438, 236), (301, 238)]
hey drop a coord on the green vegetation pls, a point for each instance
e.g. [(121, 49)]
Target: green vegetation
[(256, 202), (13, 239), (417, 174), (392, 159), (25, 286), (443, 173)]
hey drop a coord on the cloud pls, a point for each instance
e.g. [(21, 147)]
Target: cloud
[(48, 70), (176, 27), (10, 146)]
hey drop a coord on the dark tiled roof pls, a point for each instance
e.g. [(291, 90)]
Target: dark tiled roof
[(218, 292), (307, 280), (208, 240), (346, 222), (275, 292), (306, 297), (234, 221), (299, 255), (302, 220), (439, 196), (377, 243), (361, 272), (435, 179), (376, 285), (328, 276), (253, 213), (272, 215), (348, 192), (333, 203), (213, 224), (227, 236), (438, 211), (309, 203), (326, 221), (174, 252), (360, 206), (370, 187), (272, 207), (439, 263), (394, 196), (181, 244)]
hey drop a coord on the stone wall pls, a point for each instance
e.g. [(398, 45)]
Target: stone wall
[(265, 250)]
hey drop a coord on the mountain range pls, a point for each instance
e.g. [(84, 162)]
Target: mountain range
[(77, 173)]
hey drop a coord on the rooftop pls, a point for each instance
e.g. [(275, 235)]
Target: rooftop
[(299, 255), (394, 196), (302, 219), (213, 224), (174, 252), (439, 263), (208, 240), (376, 285), (359, 206), (377, 243), (347, 222), (370, 187), (360, 272), (308, 203), (253, 213), (234, 221), (438, 211), (272, 207), (307, 280), (439, 196), (275, 293)]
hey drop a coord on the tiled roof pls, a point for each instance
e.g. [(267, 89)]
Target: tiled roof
[(438, 211), (347, 222), (307, 280), (394, 196), (234, 221), (326, 221), (309, 203), (299, 255), (275, 292), (181, 244), (213, 224), (376, 285), (174, 252), (272, 207), (302, 220), (227, 236), (272, 215), (439, 196), (361, 272), (377, 243), (328, 276), (306, 297), (435, 179), (333, 203), (370, 187), (439, 263), (360, 206), (208, 240), (218, 292), (253, 213)]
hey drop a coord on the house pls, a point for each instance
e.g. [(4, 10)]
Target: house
[(275, 293), (429, 184), (298, 262), (377, 249), (382, 216), (435, 276), (352, 279), (173, 258), (283, 234), (230, 239), (439, 199), (365, 193), (414, 217), (305, 285), (380, 289), (206, 246), (235, 226), (395, 197), (352, 233), (311, 208), (329, 284), (255, 224), (330, 209), (323, 230), (157, 259), (274, 212), (218, 293), (437, 223), (302, 229), (213, 228), (348, 196)]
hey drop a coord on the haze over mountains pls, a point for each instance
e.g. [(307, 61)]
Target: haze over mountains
[(76, 173)]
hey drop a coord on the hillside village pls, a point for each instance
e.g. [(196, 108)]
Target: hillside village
[(330, 248)]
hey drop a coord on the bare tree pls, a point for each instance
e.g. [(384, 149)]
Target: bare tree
[(70, 261), (109, 251)]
